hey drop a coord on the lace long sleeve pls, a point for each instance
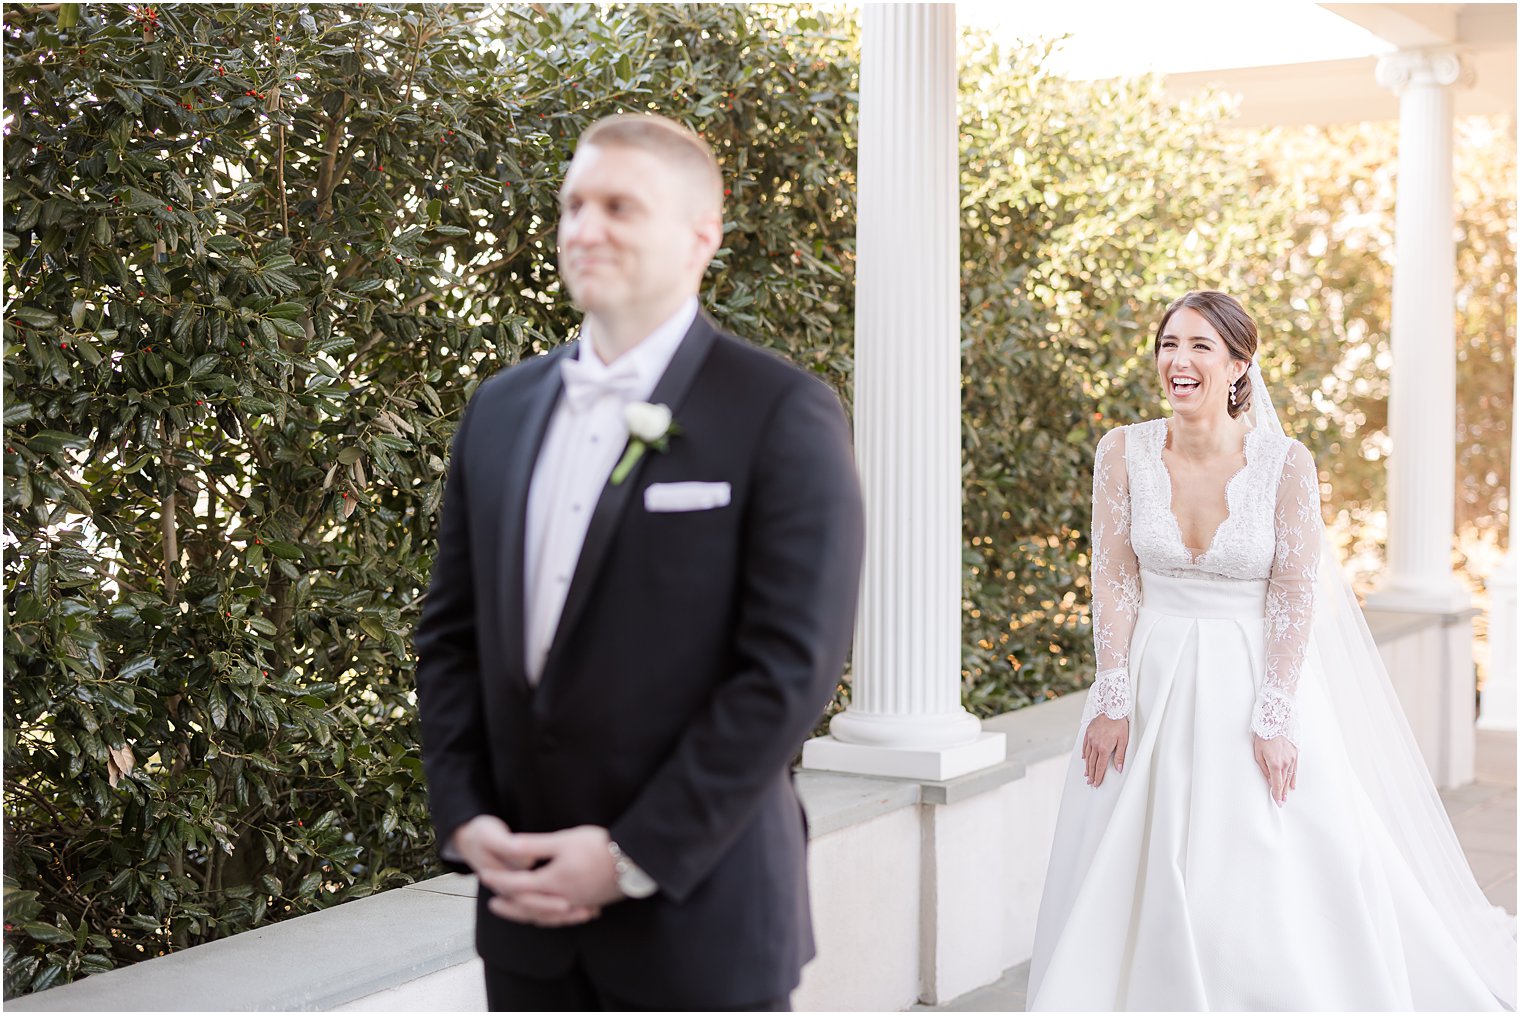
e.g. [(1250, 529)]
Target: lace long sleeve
[(1290, 596), (1115, 581)]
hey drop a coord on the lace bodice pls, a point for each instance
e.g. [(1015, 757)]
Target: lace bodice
[(1271, 532)]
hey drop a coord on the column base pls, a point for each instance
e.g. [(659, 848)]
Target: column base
[(924, 764)]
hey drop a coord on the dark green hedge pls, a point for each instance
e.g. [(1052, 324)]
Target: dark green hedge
[(256, 260)]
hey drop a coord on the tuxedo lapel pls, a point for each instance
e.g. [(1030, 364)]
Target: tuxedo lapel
[(670, 390), (522, 454)]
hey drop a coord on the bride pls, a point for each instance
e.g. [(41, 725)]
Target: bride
[(1246, 822)]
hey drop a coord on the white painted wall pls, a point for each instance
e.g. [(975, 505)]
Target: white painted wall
[(1430, 664), (866, 918), (458, 988)]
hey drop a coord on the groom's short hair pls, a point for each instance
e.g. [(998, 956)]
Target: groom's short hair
[(675, 143)]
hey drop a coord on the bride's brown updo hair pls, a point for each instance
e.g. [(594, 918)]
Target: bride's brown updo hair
[(1234, 325)]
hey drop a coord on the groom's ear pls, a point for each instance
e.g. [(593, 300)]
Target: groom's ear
[(707, 236)]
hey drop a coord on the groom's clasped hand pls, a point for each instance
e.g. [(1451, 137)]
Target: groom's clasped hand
[(549, 879)]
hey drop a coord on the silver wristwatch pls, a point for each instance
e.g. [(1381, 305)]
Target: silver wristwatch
[(631, 879)]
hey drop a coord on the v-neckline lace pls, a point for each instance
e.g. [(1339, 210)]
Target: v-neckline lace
[(1229, 500)]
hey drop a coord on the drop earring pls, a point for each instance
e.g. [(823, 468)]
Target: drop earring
[(1232, 390)]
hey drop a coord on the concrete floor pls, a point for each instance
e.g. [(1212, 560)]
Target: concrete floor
[(1483, 814)]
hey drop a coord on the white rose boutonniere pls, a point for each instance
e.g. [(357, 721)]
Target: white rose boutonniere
[(649, 426)]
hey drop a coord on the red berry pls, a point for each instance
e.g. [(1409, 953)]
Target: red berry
[(276, 38), (63, 345)]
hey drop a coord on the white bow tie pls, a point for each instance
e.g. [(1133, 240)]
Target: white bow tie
[(584, 383)]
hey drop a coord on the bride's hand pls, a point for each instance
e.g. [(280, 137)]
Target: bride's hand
[(1106, 738), (1278, 760)]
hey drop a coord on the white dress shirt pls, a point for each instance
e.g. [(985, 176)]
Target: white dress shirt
[(581, 447)]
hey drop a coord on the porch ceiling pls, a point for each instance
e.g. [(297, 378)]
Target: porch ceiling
[(1341, 91)]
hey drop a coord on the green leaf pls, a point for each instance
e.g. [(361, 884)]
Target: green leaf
[(138, 667), (291, 329), (203, 365), (47, 933), (34, 316), (288, 551)]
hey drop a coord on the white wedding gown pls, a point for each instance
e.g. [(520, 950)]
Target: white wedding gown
[(1179, 884)]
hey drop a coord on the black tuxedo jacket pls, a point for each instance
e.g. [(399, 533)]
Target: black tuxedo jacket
[(695, 652)]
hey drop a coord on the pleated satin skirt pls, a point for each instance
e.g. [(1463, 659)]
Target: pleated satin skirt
[(1180, 885)]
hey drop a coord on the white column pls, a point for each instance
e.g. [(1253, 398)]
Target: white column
[(1499, 689), (905, 717), (1422, 411), (1422, 405)]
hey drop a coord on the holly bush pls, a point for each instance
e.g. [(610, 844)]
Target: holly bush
[(257, 258)]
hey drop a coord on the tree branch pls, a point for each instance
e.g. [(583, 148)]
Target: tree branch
[(170, 522)]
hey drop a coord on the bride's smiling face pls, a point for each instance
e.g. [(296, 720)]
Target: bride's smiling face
[(1195, 365)]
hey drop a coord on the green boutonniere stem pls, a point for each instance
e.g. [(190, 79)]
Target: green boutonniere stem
[(630, 458)]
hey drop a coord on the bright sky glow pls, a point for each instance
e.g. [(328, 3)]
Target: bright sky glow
[(1115, 39)]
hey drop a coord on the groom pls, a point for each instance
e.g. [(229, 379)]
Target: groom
[(625, 640)]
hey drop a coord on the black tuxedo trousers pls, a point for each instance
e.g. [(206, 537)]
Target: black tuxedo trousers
[(695, 652)]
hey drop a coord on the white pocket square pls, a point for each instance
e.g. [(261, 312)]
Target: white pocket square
[(685, 496)]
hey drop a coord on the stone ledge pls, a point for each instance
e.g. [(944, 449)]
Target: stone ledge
[(1033, 734), (344, 954), (308, 963), (1391, 625), (834, 801)]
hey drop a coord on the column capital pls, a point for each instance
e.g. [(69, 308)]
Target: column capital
[(1443, 67)]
